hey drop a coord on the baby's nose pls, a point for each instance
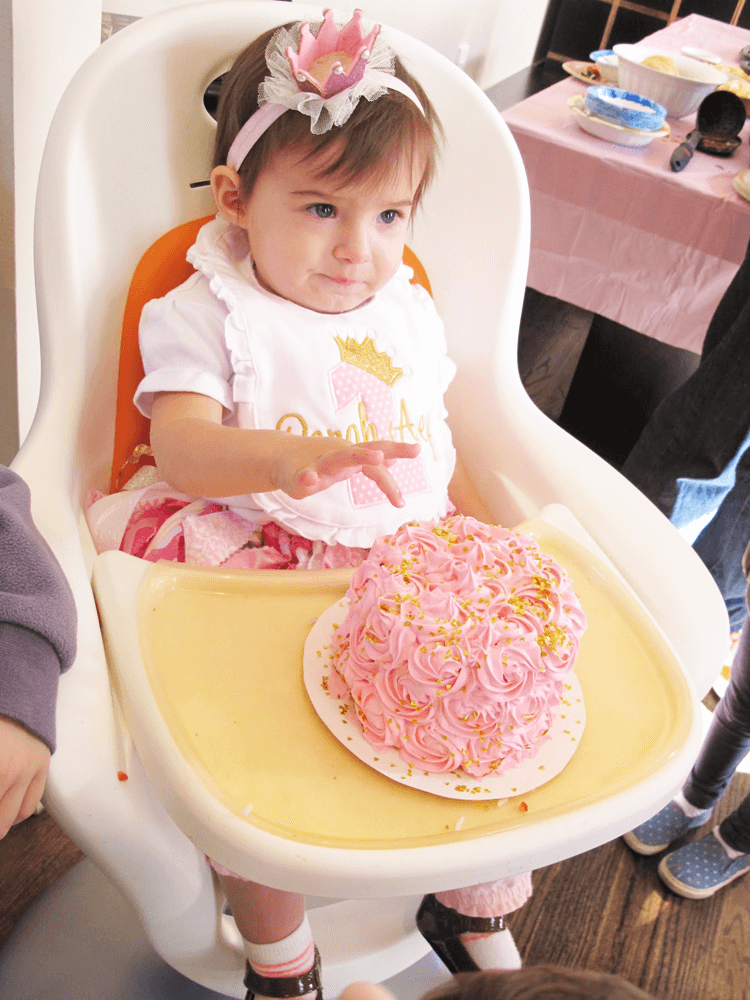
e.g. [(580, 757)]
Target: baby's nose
[(353, 245)]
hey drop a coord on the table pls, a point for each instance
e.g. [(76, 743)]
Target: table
[(613, 229)]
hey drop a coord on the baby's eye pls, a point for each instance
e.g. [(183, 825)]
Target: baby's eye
[(390, 215), (323, 211)]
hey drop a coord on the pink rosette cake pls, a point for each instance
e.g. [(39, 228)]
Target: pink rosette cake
[(456, 645)]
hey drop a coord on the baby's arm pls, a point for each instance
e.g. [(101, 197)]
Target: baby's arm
[(198, 455)]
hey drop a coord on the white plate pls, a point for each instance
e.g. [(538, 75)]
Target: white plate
[(610, 131), (586, 72), (707, 57), (339, 717)]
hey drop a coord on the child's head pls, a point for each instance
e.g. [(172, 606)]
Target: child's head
[(535, 982), (538, 982), (333, 202)]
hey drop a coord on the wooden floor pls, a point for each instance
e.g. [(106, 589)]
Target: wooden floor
[(605, 910), (32, 856), (550, 341), (608, 910)]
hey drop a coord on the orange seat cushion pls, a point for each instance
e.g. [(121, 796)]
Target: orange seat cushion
[(162, 268)]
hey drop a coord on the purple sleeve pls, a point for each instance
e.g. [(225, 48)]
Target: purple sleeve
[(37, 616)]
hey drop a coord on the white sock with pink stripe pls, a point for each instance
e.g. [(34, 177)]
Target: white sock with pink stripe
[(492, 951), (292, 956)]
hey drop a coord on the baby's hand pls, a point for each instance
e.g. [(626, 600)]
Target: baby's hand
[(310, 465), (24, 761)]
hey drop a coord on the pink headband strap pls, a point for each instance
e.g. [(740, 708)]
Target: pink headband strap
[(267, 114), (251, 131)]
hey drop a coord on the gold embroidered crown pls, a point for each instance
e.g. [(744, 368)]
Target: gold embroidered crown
[(365, 356)]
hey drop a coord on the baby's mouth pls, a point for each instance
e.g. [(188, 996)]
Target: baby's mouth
[(344, 281)]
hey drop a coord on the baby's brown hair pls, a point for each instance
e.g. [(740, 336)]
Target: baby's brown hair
[(367, 145), (538, 982)]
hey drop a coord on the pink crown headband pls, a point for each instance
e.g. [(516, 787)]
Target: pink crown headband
[(323, 76)]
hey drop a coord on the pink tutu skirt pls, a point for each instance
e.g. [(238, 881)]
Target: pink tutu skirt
[(158, 523)]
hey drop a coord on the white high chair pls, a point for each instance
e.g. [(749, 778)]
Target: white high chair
[(128, 140)]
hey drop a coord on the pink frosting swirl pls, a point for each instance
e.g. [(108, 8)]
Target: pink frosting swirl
[(456, 645)]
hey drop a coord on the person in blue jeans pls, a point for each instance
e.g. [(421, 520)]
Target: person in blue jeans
[(693, 461), (721, 543), (701, 868), (693, 457)]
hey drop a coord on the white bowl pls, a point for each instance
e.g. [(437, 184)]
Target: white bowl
[(680, 95), (607, 67)]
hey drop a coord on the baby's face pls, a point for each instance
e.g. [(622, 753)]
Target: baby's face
[(322, 245)]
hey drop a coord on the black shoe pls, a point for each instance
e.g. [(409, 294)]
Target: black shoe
[(441, 926)]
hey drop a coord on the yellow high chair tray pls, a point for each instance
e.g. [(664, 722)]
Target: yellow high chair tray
[(208, 666)]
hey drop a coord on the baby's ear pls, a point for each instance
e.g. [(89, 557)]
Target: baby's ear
[(226, 187)]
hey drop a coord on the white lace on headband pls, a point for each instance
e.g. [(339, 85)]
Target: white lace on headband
[(323, 76)]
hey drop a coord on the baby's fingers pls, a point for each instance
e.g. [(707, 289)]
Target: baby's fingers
[(342, 464), (331, 468), (392, 450), (371, 458), (382, 478)]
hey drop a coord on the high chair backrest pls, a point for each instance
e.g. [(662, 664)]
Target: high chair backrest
[(162, 268)]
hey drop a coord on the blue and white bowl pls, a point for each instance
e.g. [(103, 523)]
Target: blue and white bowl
[(625, 108)]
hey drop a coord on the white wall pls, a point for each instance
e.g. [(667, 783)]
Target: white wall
[(8, 395), (501, 34), (516, 28), (43, 44)]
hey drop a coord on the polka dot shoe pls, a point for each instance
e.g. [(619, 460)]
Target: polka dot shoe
[(657, 833), (702, 868)]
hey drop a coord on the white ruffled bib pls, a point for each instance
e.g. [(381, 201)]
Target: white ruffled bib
[(377, 372)]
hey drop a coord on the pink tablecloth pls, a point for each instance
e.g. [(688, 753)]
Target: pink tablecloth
[(613, 229)]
